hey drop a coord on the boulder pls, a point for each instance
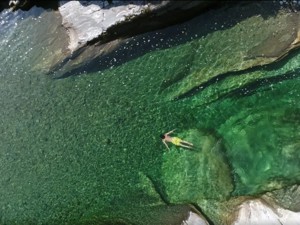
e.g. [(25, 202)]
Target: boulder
[(197, 174), (93, 25), (227, 53), (194, 219), (256, 211), (100, 21), (288, 197)]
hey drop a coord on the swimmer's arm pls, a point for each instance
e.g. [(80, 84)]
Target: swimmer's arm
[(170, 132), (166, 145)]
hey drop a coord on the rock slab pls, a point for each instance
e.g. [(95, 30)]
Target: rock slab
[(255, 212)]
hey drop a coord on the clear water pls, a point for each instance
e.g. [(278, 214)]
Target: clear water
[(86, 148)]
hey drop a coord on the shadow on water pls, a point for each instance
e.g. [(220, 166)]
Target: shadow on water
[(131, 48)]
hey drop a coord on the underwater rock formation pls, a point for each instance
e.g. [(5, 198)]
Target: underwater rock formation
[(201, 173), (255, 46)]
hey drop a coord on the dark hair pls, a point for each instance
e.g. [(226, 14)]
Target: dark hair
[(162, 136)]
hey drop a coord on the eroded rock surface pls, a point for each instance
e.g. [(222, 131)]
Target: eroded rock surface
[(201, 173), (256, 211), (288, 197), (100, 23), (194, 219), (243, 46), (86, 22)]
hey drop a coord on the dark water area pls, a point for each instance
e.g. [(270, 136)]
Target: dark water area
[(86, 149)]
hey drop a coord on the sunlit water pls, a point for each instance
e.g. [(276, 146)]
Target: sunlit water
[(87, 147)]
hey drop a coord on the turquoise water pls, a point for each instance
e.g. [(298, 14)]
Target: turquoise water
[(86, 149)]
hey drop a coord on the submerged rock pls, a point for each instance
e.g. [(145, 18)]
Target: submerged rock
[(244, 45), (288, 197), (197, 174)]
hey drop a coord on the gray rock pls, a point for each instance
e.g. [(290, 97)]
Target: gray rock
[(95, 36), (288, 197), (195, 219), (256, 211), (243, 46), (96, 20), (86, 22), (202, 173)]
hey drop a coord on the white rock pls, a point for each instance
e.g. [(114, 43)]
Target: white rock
[(194, 219), (256, 212), (86, 22)]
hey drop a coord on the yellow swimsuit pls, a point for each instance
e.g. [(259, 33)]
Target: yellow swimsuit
[(176, 141)]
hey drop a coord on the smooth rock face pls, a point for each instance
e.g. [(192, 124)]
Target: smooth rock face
[(91, 22), (288, 197), (208, 175), (256, 212), (220, 55), (86, 23), (194, 219)]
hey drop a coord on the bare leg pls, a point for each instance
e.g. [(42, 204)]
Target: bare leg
[(188, 143), (166, 145), (185, 146)]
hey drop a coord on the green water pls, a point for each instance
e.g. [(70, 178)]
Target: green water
[(87, 148)]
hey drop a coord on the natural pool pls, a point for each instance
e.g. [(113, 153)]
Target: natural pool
[(86, 148)]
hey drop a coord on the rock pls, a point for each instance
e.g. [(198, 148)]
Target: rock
[(244, 45), (92, 23), (262, 166), (95, 20), (198, 174), (16, 3), (194, 219), (256, 211), (288, 197), (87, 22)]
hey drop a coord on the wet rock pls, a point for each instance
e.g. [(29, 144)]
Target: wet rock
[(17, 3), (148, 187), (245, 45), (288, 197), (87, 22), (197, 174), (257, 211), (91, 25), (275, 160), (194, 219), (100, 21)]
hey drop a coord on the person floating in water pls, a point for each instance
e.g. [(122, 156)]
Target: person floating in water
[(175, 140)]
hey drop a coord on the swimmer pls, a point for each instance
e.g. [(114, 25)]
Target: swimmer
[(175, 140)]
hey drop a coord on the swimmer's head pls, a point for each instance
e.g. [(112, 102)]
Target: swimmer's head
[(162, 136)]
